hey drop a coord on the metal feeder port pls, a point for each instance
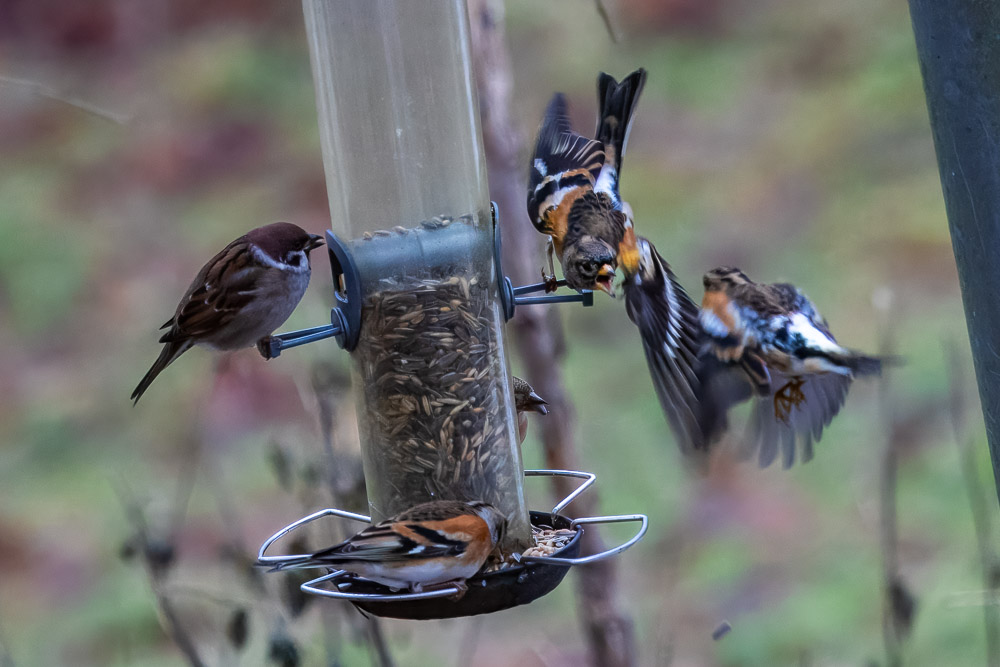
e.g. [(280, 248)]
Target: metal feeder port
[(530, 579)]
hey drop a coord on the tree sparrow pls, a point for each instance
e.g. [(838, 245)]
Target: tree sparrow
[(240, 296)]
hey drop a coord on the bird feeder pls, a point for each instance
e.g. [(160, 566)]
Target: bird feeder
[(421, 299)]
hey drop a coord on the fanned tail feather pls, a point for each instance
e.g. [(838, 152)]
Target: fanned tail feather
[(618, 101)]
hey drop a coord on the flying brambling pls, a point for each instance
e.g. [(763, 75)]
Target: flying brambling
[(769, 341)]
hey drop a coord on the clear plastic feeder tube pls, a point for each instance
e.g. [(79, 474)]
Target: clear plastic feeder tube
[(403, 156)]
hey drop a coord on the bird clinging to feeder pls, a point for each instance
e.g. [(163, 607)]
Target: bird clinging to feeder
[(240, 296), (573, 188)]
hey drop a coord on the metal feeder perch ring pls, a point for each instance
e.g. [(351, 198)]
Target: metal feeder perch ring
[(534, 577)]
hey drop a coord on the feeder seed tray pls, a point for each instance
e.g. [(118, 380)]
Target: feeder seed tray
[(494, 591)]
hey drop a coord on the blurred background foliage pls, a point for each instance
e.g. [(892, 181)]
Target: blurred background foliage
[(789, 138)]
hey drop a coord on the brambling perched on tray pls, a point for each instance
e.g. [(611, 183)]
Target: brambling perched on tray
[(770, 342), (671, 338), (526, 400), (573, 188), (443, 541), (240, 296)]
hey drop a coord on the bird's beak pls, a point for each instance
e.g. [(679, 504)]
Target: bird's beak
[(315, 241), (539, 404), (606, 280)]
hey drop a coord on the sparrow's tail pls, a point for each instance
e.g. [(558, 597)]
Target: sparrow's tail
[(617, 102), (170, 351)]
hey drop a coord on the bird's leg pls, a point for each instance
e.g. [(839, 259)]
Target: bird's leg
[(454, 597), (550, 278), (462, 589), (788, 397)]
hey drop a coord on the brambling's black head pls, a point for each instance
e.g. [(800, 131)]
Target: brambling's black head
[(591, 265), (723, 277)]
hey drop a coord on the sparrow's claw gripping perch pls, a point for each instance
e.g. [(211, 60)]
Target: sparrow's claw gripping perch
[(788, 397), (549, 278)]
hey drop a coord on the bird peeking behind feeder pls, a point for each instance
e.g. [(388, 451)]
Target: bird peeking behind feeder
[(526, 400)]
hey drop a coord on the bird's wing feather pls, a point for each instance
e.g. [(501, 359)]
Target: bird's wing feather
[(388, 543), (722, 386), (768, 436), (668, 323), (221, 289), (563, 160)]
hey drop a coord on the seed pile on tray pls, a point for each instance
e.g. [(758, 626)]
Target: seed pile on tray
[(548, 540), (436, 418), (545, 542)]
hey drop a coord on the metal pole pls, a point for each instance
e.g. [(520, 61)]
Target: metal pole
[(958, 44)]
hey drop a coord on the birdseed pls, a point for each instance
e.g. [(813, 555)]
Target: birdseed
[(435, 420), (545, 542)]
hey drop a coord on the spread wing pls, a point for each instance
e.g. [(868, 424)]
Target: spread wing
[(668, 323), (563, 161), (767, 436)]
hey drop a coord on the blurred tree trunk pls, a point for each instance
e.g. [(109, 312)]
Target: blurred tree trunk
[(960, 61), (538, 338)]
